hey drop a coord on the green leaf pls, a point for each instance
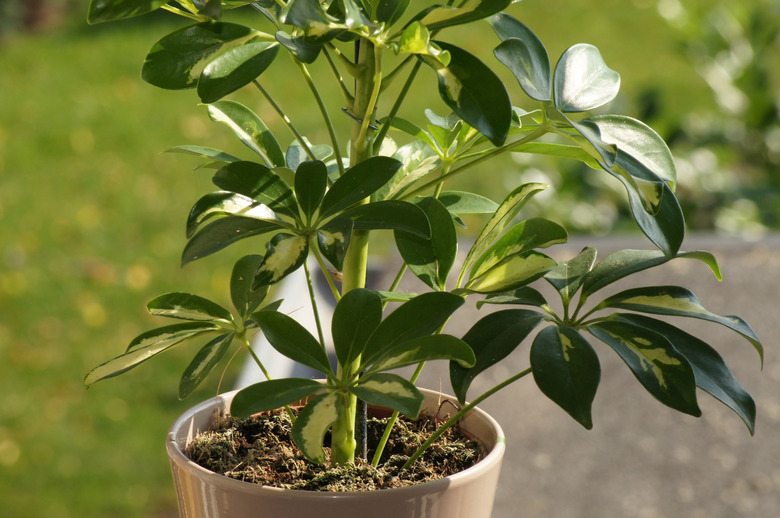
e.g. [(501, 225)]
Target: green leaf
[(390, 391), (235, 68), (623, 263), (512, 272), (358, 183), (474, 92), (492, 339), (311, 180), (525, 296), (314, 420), (219, 156), (558, 150), (522, 237), (250, 129), (108, 10), (441, 16), (223, 203), (259, 183), (567, 370), (524, 54), (296, 155), (177, 61), (501, 219), (285, 253), (582, 81), (458, 203), (423, 349), (244, 298), (187, 306), (659, 367), (418, 158), (680, 302), (390, 215), (333, 240), (666, 227), (390, 11), (416, 39), (303, 50), (203, 363), (421, 316), (292, 340), (712, 374), (147, 345), (568, 276), (316, 24), (636, 139), (222, 233), (355, 317), (273, 394), (431, 259)]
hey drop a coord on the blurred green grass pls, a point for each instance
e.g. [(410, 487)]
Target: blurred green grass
[(92, 225)]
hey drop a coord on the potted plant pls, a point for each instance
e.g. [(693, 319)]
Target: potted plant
[(300, 199)]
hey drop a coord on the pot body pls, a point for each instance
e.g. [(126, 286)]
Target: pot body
[(205, 494)]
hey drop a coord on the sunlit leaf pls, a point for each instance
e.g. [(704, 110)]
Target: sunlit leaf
[(524, 54), (284, 254), (659, 367), (244, 298), (222, 233), (582, 81), (270, 395), (568, 276), (249, 128), (681, 302), (441, 16), (223, 203), (313, 421), (303, 50), (108, 10), (359, 182), (235, 68), (187, 306), (512, 272), (423, 349), (567, 370), (259, 183), (333, 240), (492, 339)]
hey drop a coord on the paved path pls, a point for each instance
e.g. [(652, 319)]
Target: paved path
[(642, 460)]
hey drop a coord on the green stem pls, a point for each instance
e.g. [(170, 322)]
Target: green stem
[(287, 121), (313, 299), (459, 415), (324, 112)]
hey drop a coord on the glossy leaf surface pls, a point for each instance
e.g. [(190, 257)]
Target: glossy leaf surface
[(235, 68), (568, 276), (582, 81), (244, 298), (359, 182), (567, 370), (250, 129), (512, 272), (659, 367), (224, 203), (203, 363), (391, 391), (313, 421), (390, 215), (258, 182), (311, 180), (292, 339), (270, 395), (355, 317), (108, 10), (423, 349), (284, 254), (442, 16), (187, 306), (222, 233)]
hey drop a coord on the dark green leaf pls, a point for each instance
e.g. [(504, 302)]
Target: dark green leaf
[(292, 340), (203, 363), (317, 25), (525, 296), (421, 316), (235, 68), (524, 54), (665, 228), (178, 60), (108, 10), (623, 263), (441, 16), (390, 391), (333, 240), (359, 182), (222, 233), (390, 215), (659, 367), (566, 369), (492, 339), (219, 156), (250, 129), (680, 302), (147, 345), (431, 258), (270, 395), (314, 420), (311, 180), (390, 11), (474, 92), (187, 306), (285, 253), (423, 349), (296, 155), (303, 50), (244, 298), (582, 80), (458, 203), (568, 276), (356, 316), (260, 183)]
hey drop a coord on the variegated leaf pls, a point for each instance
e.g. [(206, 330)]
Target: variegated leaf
[(285, 253), (390, 391), (221, 203), (187, 306), (512, 272), (314, 420), (250, 129), (423, 349), (203, 363)]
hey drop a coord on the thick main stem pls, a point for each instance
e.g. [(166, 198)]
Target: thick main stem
[(355, 262)]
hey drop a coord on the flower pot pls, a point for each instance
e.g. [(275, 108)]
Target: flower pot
[(205, 494)]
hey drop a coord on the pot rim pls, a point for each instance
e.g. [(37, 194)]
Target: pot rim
[(176, 454)]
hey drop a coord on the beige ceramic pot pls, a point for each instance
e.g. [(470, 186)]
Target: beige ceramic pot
[(205, 494)]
